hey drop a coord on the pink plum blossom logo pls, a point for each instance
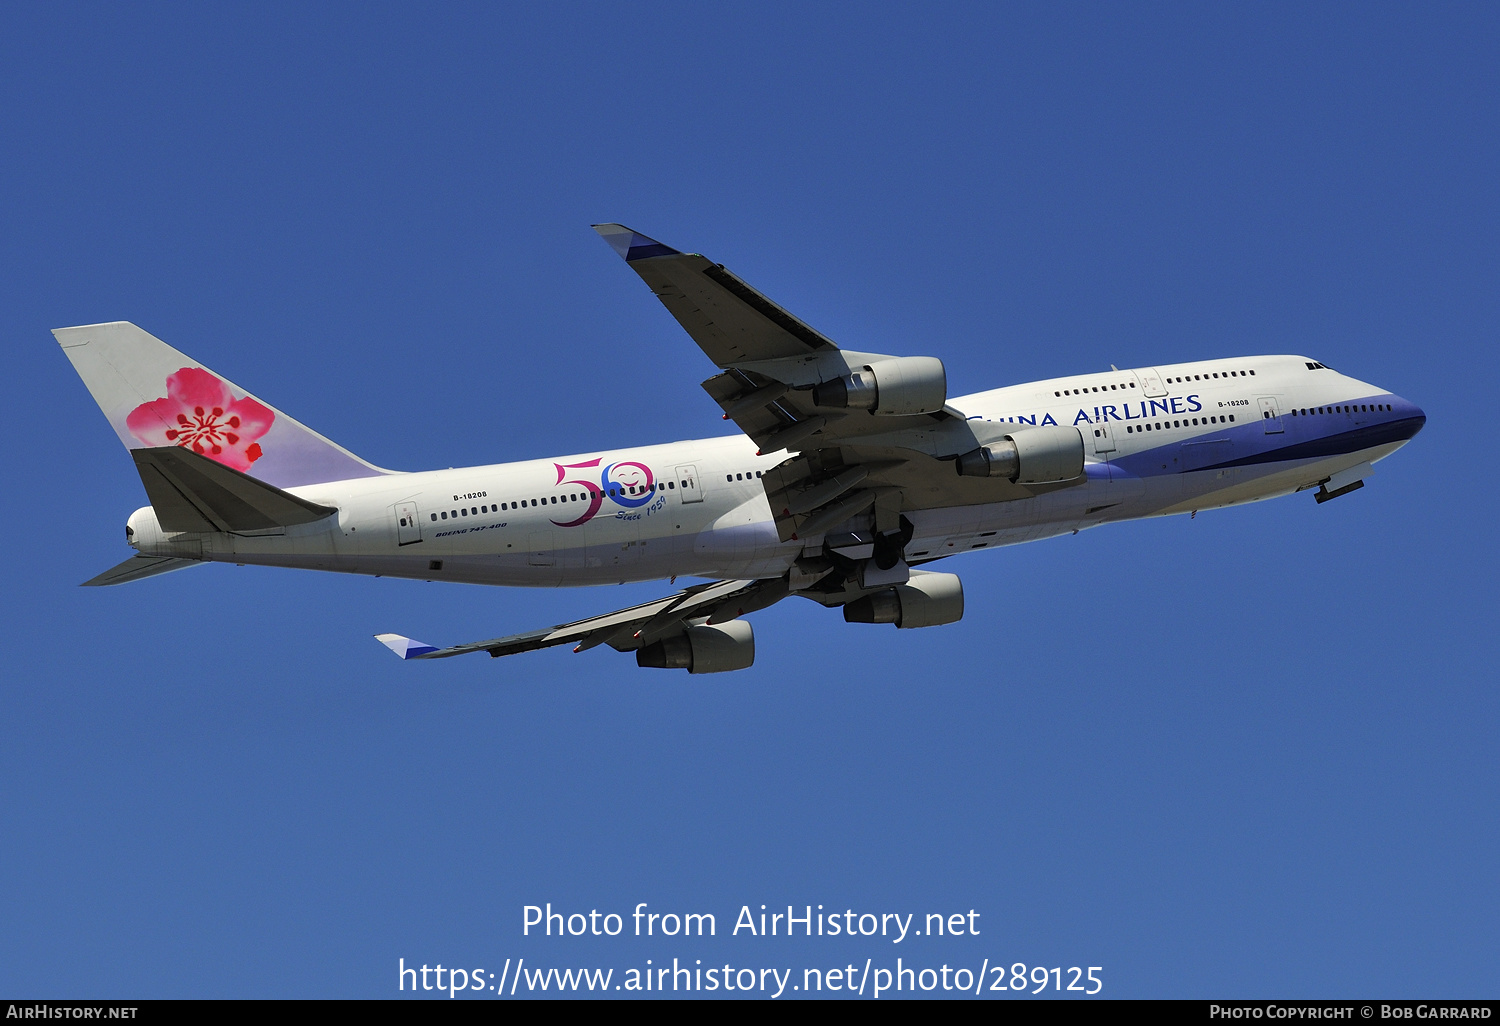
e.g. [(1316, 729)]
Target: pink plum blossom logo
[(627, 483), (199, 413)]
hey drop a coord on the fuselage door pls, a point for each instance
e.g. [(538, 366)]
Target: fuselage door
[(408, 530), (1270, 415), (1151, 384), (687, 484), (1104, 439)]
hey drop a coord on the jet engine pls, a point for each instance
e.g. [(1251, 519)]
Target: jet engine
[(900, 386), (1041, 455), (926, 600), (707, 648)]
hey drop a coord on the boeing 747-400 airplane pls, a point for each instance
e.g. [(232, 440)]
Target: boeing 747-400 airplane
[(855, 473)]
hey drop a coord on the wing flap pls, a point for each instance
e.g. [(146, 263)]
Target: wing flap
[(190, 492)]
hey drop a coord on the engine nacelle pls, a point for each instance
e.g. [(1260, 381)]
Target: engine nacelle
[(926, 600), (1042, 455), (707, 648), (900, 386)]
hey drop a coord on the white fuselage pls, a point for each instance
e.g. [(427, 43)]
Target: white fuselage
[(1160, 441)]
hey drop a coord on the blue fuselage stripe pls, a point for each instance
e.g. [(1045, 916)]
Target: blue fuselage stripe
[(1333, 445)]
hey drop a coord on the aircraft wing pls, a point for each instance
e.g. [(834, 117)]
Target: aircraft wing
[(623, 630), (731, 321), (867, 431)]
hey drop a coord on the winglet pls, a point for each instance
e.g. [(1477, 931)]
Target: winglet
[(406, 648), (632, 245)]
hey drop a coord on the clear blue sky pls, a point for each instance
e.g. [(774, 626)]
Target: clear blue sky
[(1248, 754)]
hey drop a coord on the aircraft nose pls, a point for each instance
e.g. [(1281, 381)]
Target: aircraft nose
[(1412, 416), (1418, 415)]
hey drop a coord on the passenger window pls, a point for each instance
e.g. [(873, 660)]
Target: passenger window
[(445, 516), (434, 516)]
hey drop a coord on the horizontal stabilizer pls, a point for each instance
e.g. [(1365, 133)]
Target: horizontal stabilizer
[(190, 492), (406, 648), (137, 567)]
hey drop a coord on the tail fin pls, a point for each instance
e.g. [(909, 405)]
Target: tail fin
[(155, 396)]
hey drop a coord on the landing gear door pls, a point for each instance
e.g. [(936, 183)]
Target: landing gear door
[(1104, 439), (1270, 415), (408, 529), (687, 484)]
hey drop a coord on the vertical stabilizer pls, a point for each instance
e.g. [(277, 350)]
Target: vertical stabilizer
[(155, 396)]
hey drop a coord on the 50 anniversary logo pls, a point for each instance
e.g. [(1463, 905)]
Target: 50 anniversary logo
[(627, 483)]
